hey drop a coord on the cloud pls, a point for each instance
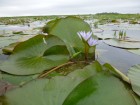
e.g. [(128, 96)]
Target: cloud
[(56, 7)]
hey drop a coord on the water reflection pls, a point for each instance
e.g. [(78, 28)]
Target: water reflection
[(120, 58)]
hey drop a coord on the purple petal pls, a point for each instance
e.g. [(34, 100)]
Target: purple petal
[(88, 35), (84, 35), (92, 42)]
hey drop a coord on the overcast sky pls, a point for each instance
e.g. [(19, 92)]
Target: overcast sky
[(65, 7)]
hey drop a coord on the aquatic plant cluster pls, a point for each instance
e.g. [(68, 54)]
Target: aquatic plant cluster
[(58, 68), (88, 41), (121, 35)]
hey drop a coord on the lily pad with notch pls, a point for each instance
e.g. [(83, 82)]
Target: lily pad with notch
[(29, 57)]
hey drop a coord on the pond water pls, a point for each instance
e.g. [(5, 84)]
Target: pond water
[(131, 30), (38, 24), (120, 58), (31, 29), (13, 27), (5, 28)]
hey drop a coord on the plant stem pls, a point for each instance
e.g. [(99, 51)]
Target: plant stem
[(86, 51), (46, 73), (94, 53)]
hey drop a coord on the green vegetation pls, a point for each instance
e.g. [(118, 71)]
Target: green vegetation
[(18, 32), (102, 17), (116, 17), (24, 19)]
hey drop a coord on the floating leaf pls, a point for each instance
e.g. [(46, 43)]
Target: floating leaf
[(81, 87), (1, 51), (29, 57), (0, 75), (104, 36), (25, 37), (5, 42), (49, 91), (122, 44), (134, 75), (116, 72), (67, 28), (9, 49), (49, 25), (137, 98), (17, 80), (102, 89), (137, 51)]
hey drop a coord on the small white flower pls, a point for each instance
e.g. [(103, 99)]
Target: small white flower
[(44, 41), (84, 35), (92, 42)]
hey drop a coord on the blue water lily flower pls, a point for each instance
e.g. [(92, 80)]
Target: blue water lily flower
[(88, 41), (84, 35), (92, 42)]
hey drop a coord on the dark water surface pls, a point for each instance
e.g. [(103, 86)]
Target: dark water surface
[(120, 58)]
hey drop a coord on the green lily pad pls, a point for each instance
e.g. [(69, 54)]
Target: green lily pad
[(122, 44), (17, 80), (25, 37), (5, 41), (43, 91), (137, 98), (1, 51), (9, 49), (82, 87), (134, 75), (137, 51), (49, 25), (29, 56), (104, 36), (31, 32), (66, 29), (0, 75), (102, 89)]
